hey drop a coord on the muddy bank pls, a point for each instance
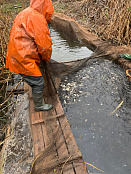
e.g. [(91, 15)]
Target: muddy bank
[(73, 30), (17, 152)]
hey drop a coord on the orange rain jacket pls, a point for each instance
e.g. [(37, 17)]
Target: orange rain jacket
[(29, 37)]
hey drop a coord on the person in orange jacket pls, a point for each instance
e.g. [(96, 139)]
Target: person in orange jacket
[(29, 42)]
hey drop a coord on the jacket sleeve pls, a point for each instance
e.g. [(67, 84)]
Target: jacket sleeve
[(38, 29), (48, 10)]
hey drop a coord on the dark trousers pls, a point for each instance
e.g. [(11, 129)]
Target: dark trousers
[(36, 83)]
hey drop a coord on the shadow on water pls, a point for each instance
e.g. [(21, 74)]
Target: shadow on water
[(65, 50), (88, 98)]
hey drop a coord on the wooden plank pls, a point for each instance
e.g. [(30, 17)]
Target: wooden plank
[(64, 140), (44, 129), (41, 120), (67, 130), (48, 132), (38, 130), (61, 146), (30, 93), (26, 87), (31, 107), (38, 140), (68, 169), (80, 166), (36, 117)]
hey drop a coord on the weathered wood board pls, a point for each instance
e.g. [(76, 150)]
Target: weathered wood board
[(53, 125)]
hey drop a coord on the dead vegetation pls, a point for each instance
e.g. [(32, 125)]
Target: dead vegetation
[(109, 19), (8, 11), (4, 74)]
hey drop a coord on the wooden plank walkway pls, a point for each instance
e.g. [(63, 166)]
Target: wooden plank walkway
[(52, 134)]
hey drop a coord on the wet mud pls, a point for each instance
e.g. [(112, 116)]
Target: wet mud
[(17, 152)]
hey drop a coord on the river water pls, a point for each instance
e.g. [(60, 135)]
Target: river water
[(97, 103), (65, 50)]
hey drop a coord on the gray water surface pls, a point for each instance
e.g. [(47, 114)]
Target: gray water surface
[(88, 98), (65, 50)]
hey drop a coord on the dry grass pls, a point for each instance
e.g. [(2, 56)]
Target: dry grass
[(112, 22), (110, 19), (8, 11), (4, 74), (7, 14), (6, 18), (4, 36)]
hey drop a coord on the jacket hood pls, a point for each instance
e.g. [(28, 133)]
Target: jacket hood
[(37, 5)]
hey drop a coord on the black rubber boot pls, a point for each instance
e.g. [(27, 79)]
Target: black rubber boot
[(39, 105)]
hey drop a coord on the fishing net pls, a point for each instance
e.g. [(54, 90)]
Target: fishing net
[(59, 150), (55, 71), (49, 160), (60, 69)]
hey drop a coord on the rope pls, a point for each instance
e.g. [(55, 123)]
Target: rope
[(127, 72)]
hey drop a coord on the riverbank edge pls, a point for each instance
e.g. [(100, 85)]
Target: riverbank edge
[(73, 30), (17, 151)]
